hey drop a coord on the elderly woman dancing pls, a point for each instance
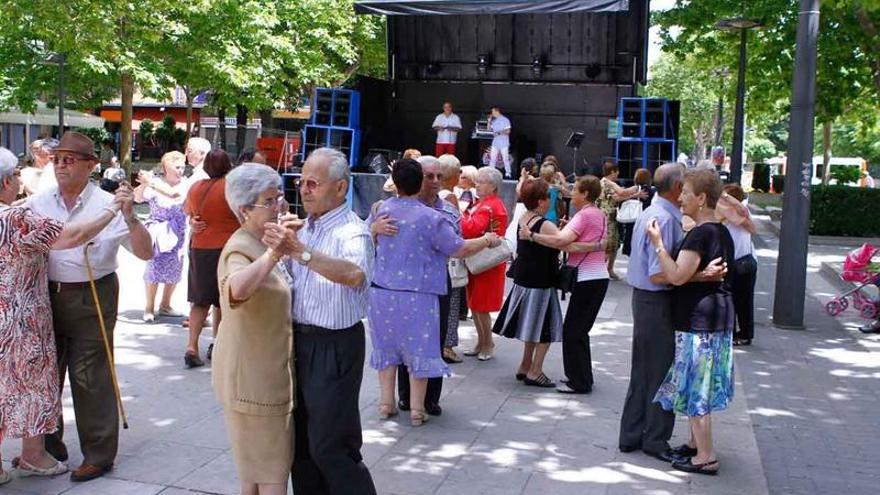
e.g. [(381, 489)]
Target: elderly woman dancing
[(30, 404), (253, 364), (700, 380), (167, 226), (485, 291), (409, 274)]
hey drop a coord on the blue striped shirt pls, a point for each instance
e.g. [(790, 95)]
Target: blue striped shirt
[(339, 233), (643, 260)]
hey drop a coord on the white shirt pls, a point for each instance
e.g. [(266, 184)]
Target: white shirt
[(68, 265), (339, 233), (444, 136), (47, 179), (197, 175), (742, 241), (499, 124)]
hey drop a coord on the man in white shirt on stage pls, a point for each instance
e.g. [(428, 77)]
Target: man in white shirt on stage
[(447, 125), (500, 126)]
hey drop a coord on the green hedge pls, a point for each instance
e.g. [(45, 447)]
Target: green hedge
[(845, 211)]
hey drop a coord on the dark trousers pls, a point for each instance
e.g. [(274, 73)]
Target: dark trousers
[(626, 235), (81, 352), (745, 277), (586, 299), (329, 370), (644, 423), (435, 385)]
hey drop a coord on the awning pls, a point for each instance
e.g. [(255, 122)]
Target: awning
[(49, 116), (458, 7)]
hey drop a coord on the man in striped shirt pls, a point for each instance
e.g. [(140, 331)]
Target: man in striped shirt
[(331, 265)]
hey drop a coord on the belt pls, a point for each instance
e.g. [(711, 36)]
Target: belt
[(314, 329), (56, 287)]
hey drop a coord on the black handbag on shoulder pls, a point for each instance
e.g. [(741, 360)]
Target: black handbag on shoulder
[(567, 275)]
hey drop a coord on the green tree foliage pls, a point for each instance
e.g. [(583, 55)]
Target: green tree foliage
[(759, 148), (683, 79), (848, 62), (254, 53)]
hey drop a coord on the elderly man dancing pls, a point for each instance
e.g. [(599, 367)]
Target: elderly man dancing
[(331, 263)]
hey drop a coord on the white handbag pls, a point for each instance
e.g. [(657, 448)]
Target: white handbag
[(458, 272), (488, 258), (629, 211)]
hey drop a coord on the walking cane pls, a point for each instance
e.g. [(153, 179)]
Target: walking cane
[(104, 338)]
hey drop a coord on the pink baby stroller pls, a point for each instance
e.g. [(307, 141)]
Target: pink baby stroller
[(858, 268)]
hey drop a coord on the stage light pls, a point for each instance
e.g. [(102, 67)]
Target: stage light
[(537, 66), (593, 70), (482, 63), (433, 68)]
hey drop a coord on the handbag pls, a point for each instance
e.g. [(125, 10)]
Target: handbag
[(629, 211), (458, 273), (567, 275), (488, 258)]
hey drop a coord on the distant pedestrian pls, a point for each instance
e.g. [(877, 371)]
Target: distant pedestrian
[(612, 195), (745, 268)]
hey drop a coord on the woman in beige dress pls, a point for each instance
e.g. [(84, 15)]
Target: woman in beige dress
[(253, 366)]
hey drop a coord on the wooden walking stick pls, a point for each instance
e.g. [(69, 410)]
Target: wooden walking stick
[(105, 339)]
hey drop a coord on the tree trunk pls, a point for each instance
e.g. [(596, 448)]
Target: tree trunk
[(826, 152), (266, 119), (125, 124), (221, 127), (241, 118)]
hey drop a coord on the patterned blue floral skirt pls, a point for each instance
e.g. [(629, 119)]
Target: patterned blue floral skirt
[(700, 380), (405, 329)]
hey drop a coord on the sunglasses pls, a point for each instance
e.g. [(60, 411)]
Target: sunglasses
[(67, 159)]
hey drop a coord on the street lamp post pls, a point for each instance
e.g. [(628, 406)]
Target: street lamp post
[(791, 270), (58, 59), (742, 25), (721, 73)]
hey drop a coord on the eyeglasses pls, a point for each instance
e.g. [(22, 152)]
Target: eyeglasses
[(279, 203), (307, 184), (67, 159)]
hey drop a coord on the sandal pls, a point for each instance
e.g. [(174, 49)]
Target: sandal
[(520, 376), (450, 356), (192, 360), (473, 352), (5, 477), (542, 381), (25, 469), (387, 411), (711, 468), (418, 417)]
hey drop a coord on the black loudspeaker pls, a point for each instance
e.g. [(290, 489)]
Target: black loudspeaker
[(673, 117), (323, 107), (375, 162)]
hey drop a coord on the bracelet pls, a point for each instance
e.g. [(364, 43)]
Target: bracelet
[(273, 256), (112, 210)]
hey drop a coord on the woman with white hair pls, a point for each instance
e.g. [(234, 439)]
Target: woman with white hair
[(253, 366), (485, 291), (40, 176), (28, 365), (450, 174)]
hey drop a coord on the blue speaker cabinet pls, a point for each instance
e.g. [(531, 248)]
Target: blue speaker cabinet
[(336, 108), (648, 134)]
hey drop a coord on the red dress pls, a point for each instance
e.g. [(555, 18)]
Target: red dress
[(485, 292)]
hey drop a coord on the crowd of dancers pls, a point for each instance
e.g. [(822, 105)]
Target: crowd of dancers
[(288, 298)]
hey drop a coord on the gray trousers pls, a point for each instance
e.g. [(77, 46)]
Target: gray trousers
[(644, 424)]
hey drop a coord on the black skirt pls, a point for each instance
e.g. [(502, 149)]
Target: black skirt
[(202, 287)]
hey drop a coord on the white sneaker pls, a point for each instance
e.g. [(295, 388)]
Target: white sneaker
[(149, 317), (169, 312)]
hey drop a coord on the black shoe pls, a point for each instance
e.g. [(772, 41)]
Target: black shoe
[(711, 468), (192, 360), (742, 342), (542, 381), (210, 352), (626, 449), (520, 376), (666, 455), (433, 409), (684, 451), (403, 405), (56, 449)]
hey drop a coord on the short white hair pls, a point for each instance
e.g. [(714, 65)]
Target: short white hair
[(428, 159), (449, 165), (8, 163), (246, 182), (469, 172), (338, 163), (199, 144), (46, 144), (492, 175)]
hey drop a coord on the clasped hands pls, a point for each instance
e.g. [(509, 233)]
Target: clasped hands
[(123, 199), (281, 237)]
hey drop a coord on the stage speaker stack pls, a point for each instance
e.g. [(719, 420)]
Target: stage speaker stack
[(648, 134), (335, 123)]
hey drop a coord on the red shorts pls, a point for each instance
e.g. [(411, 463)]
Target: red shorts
[(443, 149)]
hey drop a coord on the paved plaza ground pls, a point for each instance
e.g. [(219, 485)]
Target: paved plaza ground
[(804, 418)]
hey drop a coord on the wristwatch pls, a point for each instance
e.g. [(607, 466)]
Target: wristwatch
[(305, 257)]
